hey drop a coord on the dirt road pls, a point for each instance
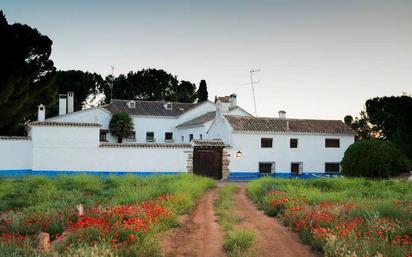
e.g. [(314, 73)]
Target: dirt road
[(200, 235), (272, 239)]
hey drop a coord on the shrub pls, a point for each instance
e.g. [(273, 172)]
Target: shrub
[(374, 159)]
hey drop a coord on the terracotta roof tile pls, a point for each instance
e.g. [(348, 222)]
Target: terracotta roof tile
[(63, 124), (144, 145), (14, 138), (208, 142), (224, 99), (258, 124)]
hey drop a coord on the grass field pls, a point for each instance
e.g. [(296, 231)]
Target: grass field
[(342, 217), (122, 215)]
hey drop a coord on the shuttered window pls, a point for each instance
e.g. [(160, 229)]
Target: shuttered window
[(332, 167), (332, 143), (266, 167), (293, 143), (296, 167), (266, 142)]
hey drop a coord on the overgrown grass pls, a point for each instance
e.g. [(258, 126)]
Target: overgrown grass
[(36, 204), (237, 241), (341, 216)]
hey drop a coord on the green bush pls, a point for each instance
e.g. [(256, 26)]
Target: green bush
[(374, 159)]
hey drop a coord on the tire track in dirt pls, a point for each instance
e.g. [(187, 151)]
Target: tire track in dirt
[(199, 235), (272, 238)]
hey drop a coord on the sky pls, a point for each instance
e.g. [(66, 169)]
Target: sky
[(317, 59)]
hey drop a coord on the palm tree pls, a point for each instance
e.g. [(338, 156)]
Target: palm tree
[(121, 125)]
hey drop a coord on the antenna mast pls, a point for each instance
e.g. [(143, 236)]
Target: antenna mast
[(253, 87)]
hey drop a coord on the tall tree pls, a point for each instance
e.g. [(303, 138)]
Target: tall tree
[(392, 116), (26, 73), (148, 84), (185, 92), (202, 94), (85, 86), (388, 118)]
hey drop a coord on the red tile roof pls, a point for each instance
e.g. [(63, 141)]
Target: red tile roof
[(63, 124), (144, 145), (258, 124), (208, 142)]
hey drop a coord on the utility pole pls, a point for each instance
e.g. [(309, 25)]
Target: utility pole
[(252, 83)]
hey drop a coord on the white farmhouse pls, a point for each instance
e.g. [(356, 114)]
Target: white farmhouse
[(218, 139)]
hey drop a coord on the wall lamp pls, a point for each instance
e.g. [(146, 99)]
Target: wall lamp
[(238, 154)]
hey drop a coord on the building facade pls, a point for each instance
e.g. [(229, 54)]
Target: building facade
[(206, 138)]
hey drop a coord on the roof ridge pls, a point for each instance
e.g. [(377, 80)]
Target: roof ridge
[(276, 118), (152, 101)]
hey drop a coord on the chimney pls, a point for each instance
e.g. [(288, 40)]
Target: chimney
[(62, 104), (232, 100), (282, 115), (41, 112), (70, 102)]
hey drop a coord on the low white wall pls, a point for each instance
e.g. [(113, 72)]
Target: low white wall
[(15, 154), (111, 159), (78, 149)]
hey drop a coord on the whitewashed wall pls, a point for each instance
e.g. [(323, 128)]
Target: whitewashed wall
[(15, 154), (54, 149), (311, 151)]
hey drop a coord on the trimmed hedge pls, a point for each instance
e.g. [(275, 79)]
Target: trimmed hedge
[(374, 159)]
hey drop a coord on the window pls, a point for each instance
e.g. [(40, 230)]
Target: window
[(190, 137), (183, 138), (168, 136), (332, 167), (331, 142), (266, 142), (103, 135), (266, 167), (296, 167), (132, 104), (293, 143), (150, 137), (168, 106), (201, 136), (131, 136)]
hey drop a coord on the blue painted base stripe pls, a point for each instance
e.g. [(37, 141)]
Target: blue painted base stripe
[(49, 173), (244, 176)]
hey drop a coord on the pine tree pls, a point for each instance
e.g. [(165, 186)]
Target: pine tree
[(202, 93)]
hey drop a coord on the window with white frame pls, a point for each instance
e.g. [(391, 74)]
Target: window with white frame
[(266, 167), (150, 136), (296, 167)]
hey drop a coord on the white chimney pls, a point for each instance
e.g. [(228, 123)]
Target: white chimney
[(282, 115), (41, 112), (70, 102), (62, 104), (232, 100)]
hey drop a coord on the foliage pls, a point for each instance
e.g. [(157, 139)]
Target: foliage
[(392, 117), (26, 74), (121, 125), (202, 94), (149, 84), (362, 126), (342, 216), (85, 86), (387, 118), (237, 241), (373, 158), (122, 216)]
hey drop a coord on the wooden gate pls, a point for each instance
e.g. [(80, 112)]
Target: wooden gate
[(207, 161)]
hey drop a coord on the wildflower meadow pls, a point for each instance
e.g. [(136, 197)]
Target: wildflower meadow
[(342, 217), (119, 216)]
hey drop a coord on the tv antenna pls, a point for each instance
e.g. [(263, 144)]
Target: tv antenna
[(111, 84), (252, 83)]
